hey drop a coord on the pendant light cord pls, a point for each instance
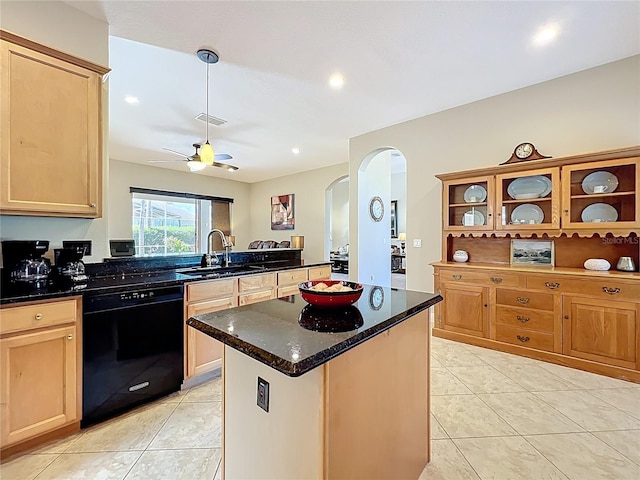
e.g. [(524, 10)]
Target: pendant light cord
[(207, 119)]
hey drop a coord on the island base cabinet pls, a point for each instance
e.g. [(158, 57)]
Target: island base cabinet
[(38, 383), (364, 414), (602, 331)]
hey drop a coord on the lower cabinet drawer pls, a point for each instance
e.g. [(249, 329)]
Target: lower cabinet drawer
[(292, 277), (256, 282), (530, 319), (290, 290), (210, 289), (609, 288), (524, 337), (215, 305), (320, 273), (13, 319), (524, 298), (484, 278), (255, 297)]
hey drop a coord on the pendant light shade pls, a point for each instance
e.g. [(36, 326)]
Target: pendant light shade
[(195, 165), (207, 154)]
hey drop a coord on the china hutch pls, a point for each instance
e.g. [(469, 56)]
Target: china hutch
[(528, 227)]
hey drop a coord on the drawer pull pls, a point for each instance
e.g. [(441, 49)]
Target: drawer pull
[(457, 277), (70, 336), (522, 300), (39, 316), (611, 291), (496, 279), (552, 286), (522, 339), (523, 319)]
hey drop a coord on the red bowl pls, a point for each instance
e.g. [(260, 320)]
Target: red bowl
[(330, 299)]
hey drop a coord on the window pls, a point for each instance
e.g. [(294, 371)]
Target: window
[(170, 223)]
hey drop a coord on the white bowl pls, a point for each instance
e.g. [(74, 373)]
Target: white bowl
[(525, 196)]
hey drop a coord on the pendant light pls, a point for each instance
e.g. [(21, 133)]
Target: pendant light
[(207, 154)]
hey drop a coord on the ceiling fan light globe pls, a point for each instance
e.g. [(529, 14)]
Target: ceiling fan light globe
[(195, 165), (207, 154)]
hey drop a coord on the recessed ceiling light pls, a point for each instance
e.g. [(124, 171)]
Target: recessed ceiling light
[(131, 99), (295, 150), (336, 81), (546, 34)]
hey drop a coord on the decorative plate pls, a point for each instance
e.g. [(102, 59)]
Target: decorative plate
[(472, 218), (527, 213), (537, 184), (599, 212), (599, 182), (475, 194)]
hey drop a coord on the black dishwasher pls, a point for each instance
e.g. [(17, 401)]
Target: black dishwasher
[(132, 349)]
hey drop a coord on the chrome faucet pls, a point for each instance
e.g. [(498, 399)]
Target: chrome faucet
[(225, 244)]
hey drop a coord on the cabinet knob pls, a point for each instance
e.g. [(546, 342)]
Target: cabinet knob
[(485, 304), (552, 286), (523, 319), (496, 279), (566, 211), (70, 336), (566, 317), (522, 300), (611, 291), (457, 277), (38, 316), (523, 339), (92, 205)]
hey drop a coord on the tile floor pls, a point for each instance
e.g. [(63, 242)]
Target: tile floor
[(495, 416)]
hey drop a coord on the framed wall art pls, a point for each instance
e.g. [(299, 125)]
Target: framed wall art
[(532, 252), (394, 218), (282, 212)]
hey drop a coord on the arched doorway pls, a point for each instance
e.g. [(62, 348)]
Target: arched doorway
[(336, 237), (381, 176)]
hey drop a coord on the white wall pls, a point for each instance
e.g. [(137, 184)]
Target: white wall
[(123, 175), (62, 27), (374, 238), (596, 109), (340, 214), (309, 190)]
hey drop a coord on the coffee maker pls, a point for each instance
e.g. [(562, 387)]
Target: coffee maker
[(24, 266), (69, 267)]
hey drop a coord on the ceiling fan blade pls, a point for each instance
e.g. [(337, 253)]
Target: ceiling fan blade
[(222, 156), (177, 153), (226, 166)]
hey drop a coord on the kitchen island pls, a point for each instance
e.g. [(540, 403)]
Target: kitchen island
[(349, 401)]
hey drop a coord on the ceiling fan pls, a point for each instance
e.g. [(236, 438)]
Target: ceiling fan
[(195, 164)]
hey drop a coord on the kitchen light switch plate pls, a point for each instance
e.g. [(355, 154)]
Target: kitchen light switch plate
[(417, 242), (263, 394)]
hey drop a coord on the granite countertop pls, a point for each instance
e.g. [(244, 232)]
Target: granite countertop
[(125, 281), (276, 332)]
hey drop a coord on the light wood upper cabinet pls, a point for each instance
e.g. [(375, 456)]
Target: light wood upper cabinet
[(467, 204), (51, 124), (528, 202), (601, 195)]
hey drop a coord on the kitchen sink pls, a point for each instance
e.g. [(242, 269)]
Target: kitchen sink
[(219, 271)]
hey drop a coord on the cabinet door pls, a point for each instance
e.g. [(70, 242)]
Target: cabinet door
[(38, 383), (465, 309), (467, 204), (204, 353), (602, 331), (528, 201), (601, 196), (51, 135)]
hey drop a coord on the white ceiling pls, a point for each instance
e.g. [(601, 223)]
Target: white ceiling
[(401, 60)]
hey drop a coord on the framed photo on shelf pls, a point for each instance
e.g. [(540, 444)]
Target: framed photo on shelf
[(532, 252)]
